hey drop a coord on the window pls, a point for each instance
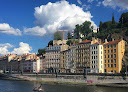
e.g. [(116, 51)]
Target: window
[(105, 46), (92, 57), (108, 56), (115, 65), (92, 62), (111, 46), (108, 46), (105, 51), (114, 55), (101, 52), (101, 47), (115, 45), (105, 65), (114, 60), (108, 65), (111, 65), (96, 57), (111, 61), (92, 52), (105, 61), (92, 47), (108, 61), (111, 51), (105, 56), (115, 50), (96, 47), (101, 57), (96, 52), (111, 56), (108, 50)]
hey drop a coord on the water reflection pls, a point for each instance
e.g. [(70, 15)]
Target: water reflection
[(25, 86)]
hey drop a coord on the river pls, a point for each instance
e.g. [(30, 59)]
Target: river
[(26, 86)]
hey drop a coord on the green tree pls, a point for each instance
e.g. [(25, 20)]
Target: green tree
[(69, 35), (77, 30), (86, 28), (124, 20), (57, 36), (41, 52), (50, 43), (113, 19), (69, 42)]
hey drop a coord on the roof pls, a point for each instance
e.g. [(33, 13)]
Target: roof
[(112, 42), (85, 41)]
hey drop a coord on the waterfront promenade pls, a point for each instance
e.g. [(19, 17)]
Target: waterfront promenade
[(75, 79)]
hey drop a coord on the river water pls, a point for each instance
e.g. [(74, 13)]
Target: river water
[(26, 86)]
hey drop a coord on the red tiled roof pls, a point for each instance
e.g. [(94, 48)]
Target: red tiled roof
[(85, 41), (112, 42)]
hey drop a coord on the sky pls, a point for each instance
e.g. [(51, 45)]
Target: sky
[(28, 25)]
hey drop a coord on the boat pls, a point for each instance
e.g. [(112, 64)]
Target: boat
[(38, 88)]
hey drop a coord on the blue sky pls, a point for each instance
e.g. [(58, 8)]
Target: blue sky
[(27, 25)]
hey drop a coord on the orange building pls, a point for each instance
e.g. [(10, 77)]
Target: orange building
[(113, 54)]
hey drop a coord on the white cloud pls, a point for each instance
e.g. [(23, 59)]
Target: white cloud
[(99, 3), (8, 45), (5, 28), (57, 16), (79, 2), (24, 48), (90, 1), (35, 31), (122, 4), (4, 50)]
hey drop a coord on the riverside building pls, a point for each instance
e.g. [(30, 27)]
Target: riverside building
[(96, 58), (52, 57), (83, 55), (113, 54)]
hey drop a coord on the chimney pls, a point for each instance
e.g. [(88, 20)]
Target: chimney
[(99, 40), (93, 38), (113, 39), (63, 34), (80, 40), (106, 41), (73, 42)]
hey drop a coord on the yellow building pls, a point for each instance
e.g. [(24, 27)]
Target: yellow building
[(113, 54), (83, 55)]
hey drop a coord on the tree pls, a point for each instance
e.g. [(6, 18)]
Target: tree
[(69, 42), (86, 28), (113, 19), (50, 43), (69, 35), (57, 36), (124, 19), (77, 30), (41, 52)]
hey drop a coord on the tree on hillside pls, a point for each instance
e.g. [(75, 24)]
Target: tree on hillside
[(41, 52), (77, 30), (123, 21), (69, 35), (86, 28), (113, 19), (57, 36)]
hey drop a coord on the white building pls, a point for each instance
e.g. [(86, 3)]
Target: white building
[(96, 58), (52, 57), (73, 58)]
